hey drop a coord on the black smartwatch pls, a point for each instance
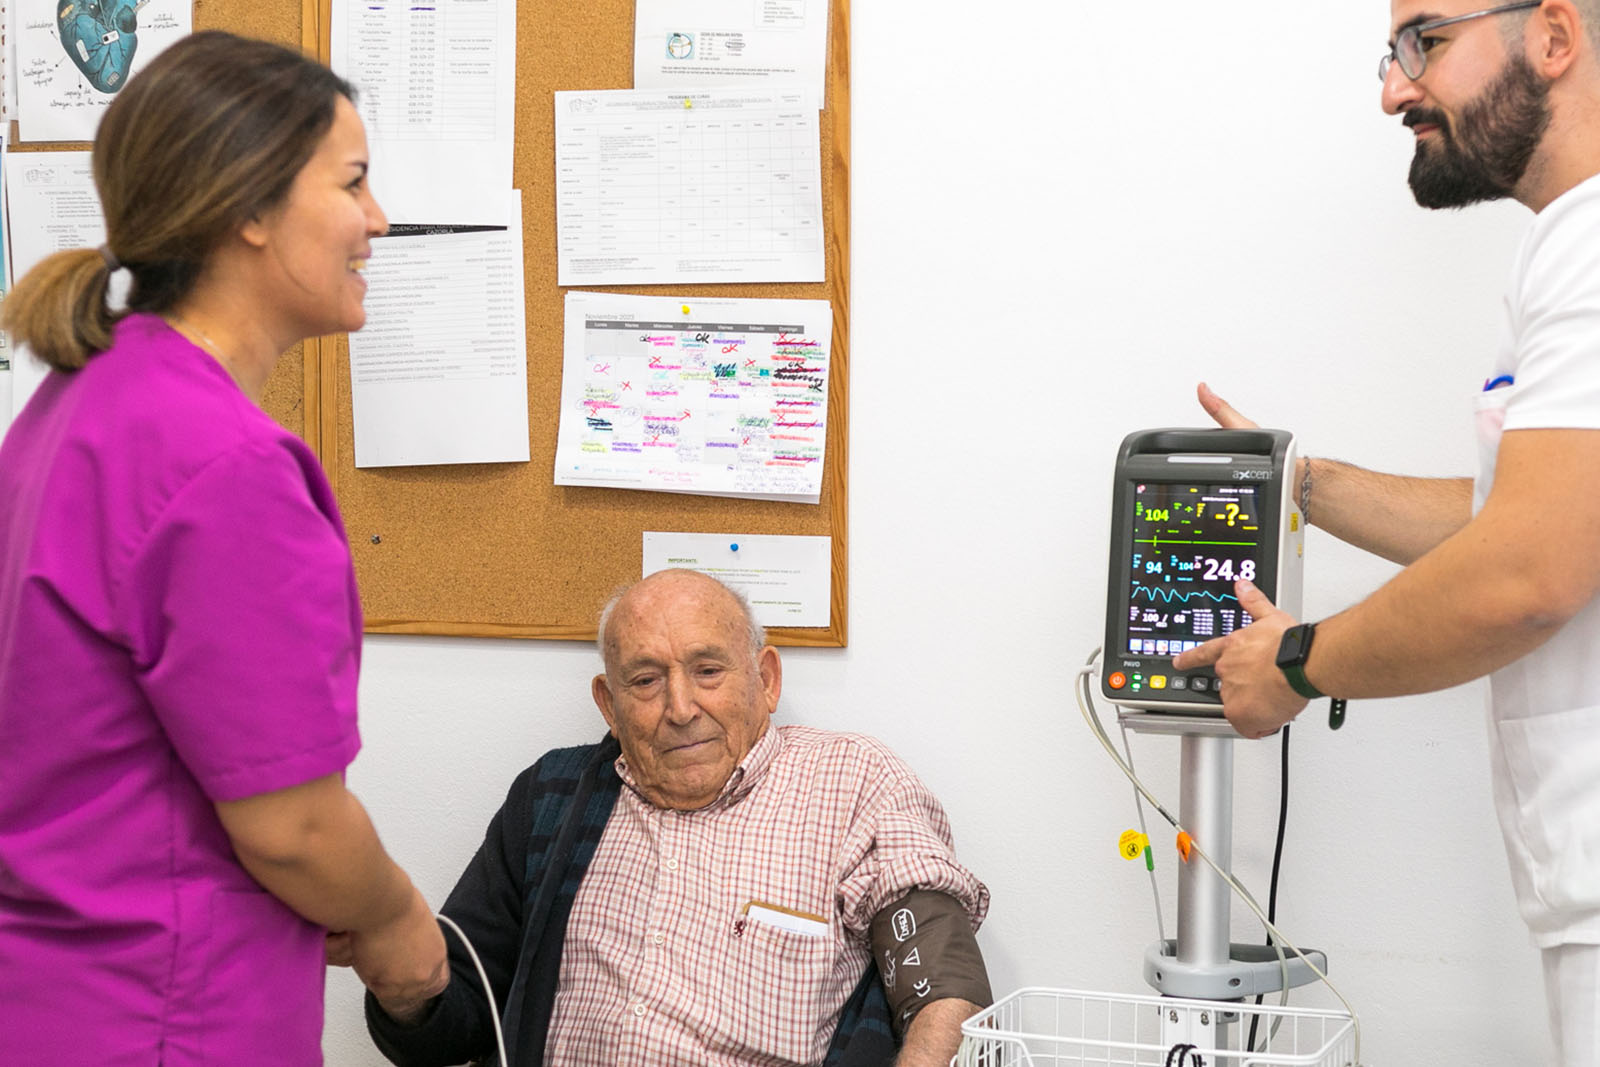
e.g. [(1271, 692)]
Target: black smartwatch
[(1292, 652)]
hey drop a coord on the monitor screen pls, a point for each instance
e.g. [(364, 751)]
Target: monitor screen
[(1190, 543)]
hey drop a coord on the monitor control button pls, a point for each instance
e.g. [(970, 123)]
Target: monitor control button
[(1200, 684), (1117, 680)]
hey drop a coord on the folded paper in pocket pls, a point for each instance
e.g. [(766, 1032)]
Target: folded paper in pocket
[(786, 918)]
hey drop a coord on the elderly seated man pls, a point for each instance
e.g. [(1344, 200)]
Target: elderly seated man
[(701, 888)]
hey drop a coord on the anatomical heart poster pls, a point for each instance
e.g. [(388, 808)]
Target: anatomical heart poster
[(74, 56)]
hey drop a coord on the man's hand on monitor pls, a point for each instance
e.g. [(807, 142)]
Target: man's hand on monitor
[(1256, 697)]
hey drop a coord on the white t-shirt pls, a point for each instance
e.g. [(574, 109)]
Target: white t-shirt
[(1544, 712)]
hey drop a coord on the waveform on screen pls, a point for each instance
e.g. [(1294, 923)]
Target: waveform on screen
[(1156, 592)]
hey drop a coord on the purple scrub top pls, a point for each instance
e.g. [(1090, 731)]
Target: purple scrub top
[(178, 625)]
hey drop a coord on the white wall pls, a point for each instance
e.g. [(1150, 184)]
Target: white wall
[(1061, 222)]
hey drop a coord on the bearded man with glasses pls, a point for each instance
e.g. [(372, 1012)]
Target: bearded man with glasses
[(1502, 572)]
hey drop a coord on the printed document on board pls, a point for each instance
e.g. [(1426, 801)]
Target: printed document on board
[(695, 395), (436, 87), (440, 372), (5, 275), (787, 579), (680, 44), (52, 207), (5, 283), (8, 61), (74, 57), (718, 185)]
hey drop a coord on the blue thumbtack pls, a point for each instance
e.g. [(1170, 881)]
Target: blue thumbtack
[(734, 546)]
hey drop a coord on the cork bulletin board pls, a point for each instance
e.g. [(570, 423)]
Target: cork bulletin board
[(498, 549)]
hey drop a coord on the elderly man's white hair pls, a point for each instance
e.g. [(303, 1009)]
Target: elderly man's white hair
[(757, 634)]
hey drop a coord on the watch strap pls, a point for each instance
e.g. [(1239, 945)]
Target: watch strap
[(1293, 650), (1296, 676)]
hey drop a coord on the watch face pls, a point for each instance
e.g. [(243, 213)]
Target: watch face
[(1294, 646)]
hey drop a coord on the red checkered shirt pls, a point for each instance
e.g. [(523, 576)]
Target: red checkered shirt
[(661, 963)]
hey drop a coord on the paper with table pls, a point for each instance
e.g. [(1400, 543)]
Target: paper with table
[(681, 44), (656, 187), (74, 56), (436, 87), (787, 579), (695, 395), (440, 372)]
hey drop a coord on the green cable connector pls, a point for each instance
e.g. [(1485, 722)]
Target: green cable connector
[(1149, 859)]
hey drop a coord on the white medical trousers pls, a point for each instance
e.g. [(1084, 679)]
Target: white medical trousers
[(1572, 990)]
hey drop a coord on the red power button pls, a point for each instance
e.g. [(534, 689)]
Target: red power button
[(1117, 680)]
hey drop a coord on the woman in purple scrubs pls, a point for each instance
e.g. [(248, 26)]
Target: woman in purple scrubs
[(179, 628)]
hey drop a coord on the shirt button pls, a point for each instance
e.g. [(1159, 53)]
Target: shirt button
[(659, 939), (638, 1009), (672, 865)]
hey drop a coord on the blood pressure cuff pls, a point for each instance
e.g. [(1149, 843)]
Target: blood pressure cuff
[(925, 950)]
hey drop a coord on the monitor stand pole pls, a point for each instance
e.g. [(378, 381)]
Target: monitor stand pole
[(1202, 963)]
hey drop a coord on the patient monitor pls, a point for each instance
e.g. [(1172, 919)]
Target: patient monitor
[(1194, 511)]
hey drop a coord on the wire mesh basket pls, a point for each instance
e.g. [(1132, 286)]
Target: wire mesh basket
[(1068, 1028)]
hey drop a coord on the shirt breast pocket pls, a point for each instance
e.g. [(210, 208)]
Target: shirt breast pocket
[(778, 990), (1490, 414)]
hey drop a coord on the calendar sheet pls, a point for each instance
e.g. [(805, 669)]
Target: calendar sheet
[(695, 395)]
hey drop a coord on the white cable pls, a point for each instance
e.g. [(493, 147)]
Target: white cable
[(494, 1011), (1138, 805), (1161, 933), (1092, 718), (1283, 972)]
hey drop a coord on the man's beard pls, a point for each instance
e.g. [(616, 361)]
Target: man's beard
[(1485, 156)]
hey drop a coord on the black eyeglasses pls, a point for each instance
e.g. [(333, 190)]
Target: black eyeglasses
[(1411, 51)]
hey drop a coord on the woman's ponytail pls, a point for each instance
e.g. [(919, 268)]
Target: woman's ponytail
[(58, 309)]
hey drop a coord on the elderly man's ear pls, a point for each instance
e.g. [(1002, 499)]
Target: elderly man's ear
[(602, 699), (770, 664)]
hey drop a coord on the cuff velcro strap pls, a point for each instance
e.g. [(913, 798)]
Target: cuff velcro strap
[(925, 950)]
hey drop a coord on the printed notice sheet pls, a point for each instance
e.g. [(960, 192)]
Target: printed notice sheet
[(435, 83), (695, 395), (440, 372), (74, 56), (8, 51), (5, 283), (680, 44), (655, 187), (52, 206), (788, 580), (5, 274)]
